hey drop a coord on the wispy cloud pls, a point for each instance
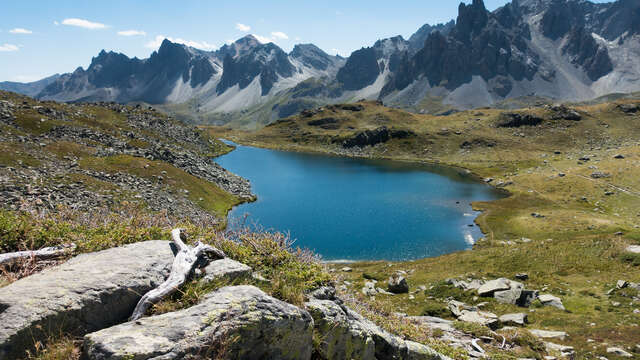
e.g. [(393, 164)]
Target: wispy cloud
[(263, 39), (203, 45), (83, 23), (20, 31), (243, 27), (132, 33), (8, 48), (275, 36), (279, 35)]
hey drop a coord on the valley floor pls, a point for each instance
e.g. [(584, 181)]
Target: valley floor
[(569, 222)]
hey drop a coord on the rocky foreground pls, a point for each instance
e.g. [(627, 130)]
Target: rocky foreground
[(93, 294)]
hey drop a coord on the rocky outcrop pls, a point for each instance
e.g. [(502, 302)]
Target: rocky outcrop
[(87, 293), (238, 322), (511, 120), (225, 269), (345, 334)]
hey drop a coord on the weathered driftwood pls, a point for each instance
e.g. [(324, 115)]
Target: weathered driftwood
[(9, 259), (187, 258)]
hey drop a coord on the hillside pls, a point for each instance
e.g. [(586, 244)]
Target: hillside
[(568, 226)]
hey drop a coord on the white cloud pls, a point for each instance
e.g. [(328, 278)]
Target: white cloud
[(279, 35), (8, 48), (243, 27), (263, 39), (203, 45), (132, 33), (20, 31), (83, 23), (56, 23)]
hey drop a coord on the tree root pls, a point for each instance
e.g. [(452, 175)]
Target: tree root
[(187, 258)]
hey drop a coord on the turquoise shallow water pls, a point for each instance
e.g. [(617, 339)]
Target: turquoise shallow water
[(354, 209)]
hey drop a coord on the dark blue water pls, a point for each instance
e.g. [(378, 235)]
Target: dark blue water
[(354, 209)]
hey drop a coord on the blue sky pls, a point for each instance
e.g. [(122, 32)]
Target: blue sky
[(42, 37)]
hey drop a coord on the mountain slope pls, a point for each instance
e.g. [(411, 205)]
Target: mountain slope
[(29, 89), (557, 49)]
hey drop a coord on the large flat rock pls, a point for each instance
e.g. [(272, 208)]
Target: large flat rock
[(87, 293), (235, 322)]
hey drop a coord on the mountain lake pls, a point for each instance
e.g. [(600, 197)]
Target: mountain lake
[(348, 209)]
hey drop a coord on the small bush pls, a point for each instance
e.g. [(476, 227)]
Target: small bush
[(436, 309)]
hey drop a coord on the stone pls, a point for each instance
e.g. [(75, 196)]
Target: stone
[(324, 293), (487, 319), (527, 297), (457, 307), (546, 334), (369, 289), (550, 300), (87, 293), (633, 249), (345, 334), (236, 322), (519, 319), (490, 287), (619, 352), (346, 269), (510, 296), (225, 269), (621, 284), (397, 284), (564, 350), (522, 276)]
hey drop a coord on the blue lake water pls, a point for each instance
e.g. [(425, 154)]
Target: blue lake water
[(355, 209)]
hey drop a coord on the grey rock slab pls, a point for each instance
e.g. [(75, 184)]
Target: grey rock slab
[(519, 319), (345, 334), (225, 269), (490, 287), (619, 352), (547, 334), (87, 293), (479, 317), (550, 300), (633, 249), (235, 322), (511, 295)]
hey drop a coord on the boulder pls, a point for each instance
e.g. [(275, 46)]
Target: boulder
[(87, 293), (527, 297), (235, 322), (550, 300), (345, 334), (635, 249), (519, 319), (490, 287), (619, 352), (225, 269), (510, 296), (564, 350), (511, 120), (457, 307), (546, 334), (397, 284), (487, 319), (621, 284)]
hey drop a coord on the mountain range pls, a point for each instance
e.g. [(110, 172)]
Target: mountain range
[(569, 50)]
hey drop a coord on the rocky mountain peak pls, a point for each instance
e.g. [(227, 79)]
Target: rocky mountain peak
[(471, 19), (312, 56)]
